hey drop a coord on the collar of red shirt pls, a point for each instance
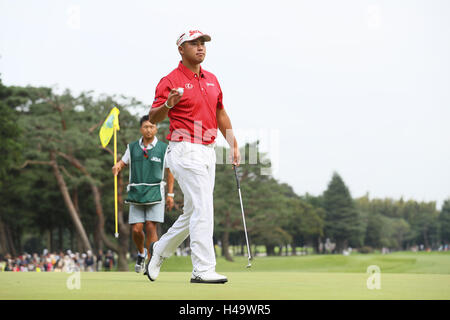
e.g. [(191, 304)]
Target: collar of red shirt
[(188, 73)]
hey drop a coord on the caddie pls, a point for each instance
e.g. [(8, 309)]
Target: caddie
[(146, 159)]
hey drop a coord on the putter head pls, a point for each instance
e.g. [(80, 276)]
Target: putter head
[(249, 265)]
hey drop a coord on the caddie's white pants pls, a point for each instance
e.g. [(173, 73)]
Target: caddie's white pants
[(193, 166)]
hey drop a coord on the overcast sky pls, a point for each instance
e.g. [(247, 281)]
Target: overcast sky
[(359, 87)]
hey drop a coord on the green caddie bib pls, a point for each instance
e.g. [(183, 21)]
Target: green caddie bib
[(146, 174)]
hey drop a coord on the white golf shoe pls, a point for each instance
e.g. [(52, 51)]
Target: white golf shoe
[(154, 265), (209, 277)]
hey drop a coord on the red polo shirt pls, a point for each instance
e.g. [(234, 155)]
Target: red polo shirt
[(193, 119)]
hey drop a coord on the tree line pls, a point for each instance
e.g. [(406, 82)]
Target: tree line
[(56, 188)]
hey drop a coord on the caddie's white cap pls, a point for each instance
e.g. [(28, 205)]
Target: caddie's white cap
[(192, 35)]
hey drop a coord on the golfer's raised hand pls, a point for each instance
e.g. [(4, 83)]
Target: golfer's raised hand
[(174, 97)]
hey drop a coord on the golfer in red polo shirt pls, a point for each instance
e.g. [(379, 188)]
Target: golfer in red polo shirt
[(192, 99)]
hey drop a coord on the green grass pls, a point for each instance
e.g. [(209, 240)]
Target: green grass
[(402, 262), (403, 276)]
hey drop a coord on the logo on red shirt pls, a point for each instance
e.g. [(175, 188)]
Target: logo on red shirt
[(188, 86)]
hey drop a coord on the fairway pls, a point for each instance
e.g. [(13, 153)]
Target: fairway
[(403, 276)]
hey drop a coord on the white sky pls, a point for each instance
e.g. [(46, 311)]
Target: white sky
[(359, 87)]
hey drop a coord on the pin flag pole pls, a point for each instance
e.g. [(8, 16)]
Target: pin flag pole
[(109, 129), (116, 234)]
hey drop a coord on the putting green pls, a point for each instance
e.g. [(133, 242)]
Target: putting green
[(404, 275), (242, 285)]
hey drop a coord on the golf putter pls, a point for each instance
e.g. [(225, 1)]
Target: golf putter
[(243, 216)]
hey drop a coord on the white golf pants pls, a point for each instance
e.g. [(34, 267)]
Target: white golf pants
[(193, 166)]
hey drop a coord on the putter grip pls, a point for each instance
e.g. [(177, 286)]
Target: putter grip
[(237, 178)]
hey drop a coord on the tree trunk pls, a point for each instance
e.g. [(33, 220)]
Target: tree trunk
[(124, 228), (316, 244), (100, 237), (69, 204), (425, 237), (280, 250), (226, 238), (100, 226), (5, 246), (60, 239), (337, 248), (17, 236), (270, 250), (79, 246), (48, 240), (294, 249), (226, 246), (10, 241)]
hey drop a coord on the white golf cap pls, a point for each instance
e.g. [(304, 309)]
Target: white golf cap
[(192, 35)]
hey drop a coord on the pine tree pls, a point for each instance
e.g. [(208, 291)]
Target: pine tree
[(342, 221), (444, 219)]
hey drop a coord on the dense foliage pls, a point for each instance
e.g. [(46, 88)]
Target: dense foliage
[(56, 188)]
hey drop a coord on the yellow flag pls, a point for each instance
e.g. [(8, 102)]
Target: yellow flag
[(107, 129)]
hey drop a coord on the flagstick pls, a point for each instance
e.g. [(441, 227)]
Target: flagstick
[(115, 182)]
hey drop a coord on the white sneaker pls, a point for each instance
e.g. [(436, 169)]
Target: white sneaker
[(209, 277), (140, 261), (154, 265)]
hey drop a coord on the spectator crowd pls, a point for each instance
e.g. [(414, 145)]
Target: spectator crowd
[(58, 262)]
